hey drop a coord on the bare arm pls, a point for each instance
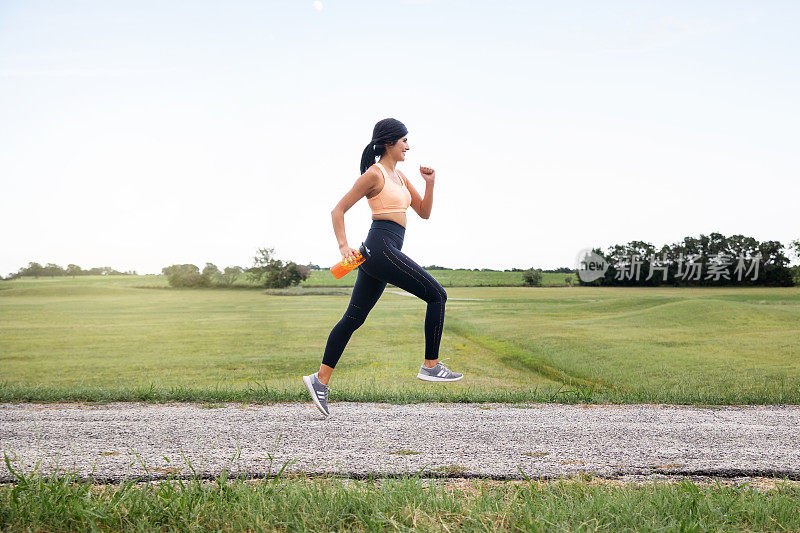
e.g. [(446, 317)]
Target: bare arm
[(422, 206), (365, 183)]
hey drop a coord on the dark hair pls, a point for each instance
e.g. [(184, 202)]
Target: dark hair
[(386, 131)]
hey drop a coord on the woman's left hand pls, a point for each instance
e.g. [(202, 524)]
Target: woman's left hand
[(428, 174)]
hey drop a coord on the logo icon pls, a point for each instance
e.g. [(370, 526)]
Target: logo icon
[(590, 266)]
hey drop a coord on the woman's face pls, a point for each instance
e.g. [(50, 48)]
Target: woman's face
[(398, 150)]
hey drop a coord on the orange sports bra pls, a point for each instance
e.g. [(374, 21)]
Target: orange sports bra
[(393, 198)]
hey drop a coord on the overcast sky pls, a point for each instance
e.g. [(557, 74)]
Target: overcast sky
[(145, 133)]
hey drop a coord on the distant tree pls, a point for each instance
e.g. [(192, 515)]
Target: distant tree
[(296, 274), (73, 270), (33, 269), (794, 246), (532, 277), (267, 271), (187, 275), (108, 271), (211, 272), (312, 266), (568, 280), (52, 270), (230, 275), (265, 267)]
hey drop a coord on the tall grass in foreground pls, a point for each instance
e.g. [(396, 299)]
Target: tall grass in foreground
[(260, 393), (57, 503)]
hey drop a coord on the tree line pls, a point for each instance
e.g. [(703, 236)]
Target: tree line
[(710, 260), (52, 270), (267, 271)]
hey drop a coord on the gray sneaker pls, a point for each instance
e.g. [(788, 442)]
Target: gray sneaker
[(319, 392), (438, 373)]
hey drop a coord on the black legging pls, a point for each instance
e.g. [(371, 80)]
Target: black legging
[(388, 264)]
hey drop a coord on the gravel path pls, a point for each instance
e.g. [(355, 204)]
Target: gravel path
[(113, 441)]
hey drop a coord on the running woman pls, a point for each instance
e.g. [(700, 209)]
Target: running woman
[(388, 194)]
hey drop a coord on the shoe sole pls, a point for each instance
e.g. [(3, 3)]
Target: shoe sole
[(423, 377), (310, 387)]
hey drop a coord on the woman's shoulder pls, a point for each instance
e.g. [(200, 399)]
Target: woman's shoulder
[(374, 173), (374, 179), (376, 168)]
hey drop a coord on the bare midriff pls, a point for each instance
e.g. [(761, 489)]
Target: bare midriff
[(400, 218)]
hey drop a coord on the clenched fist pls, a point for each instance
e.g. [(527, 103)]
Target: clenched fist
[(428, 174)]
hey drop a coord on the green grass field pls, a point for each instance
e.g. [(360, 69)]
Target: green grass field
[(448, 278), (406, 504), (133, 338), (451, 278)]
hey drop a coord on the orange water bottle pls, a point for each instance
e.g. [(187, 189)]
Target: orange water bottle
[(344, 266)]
